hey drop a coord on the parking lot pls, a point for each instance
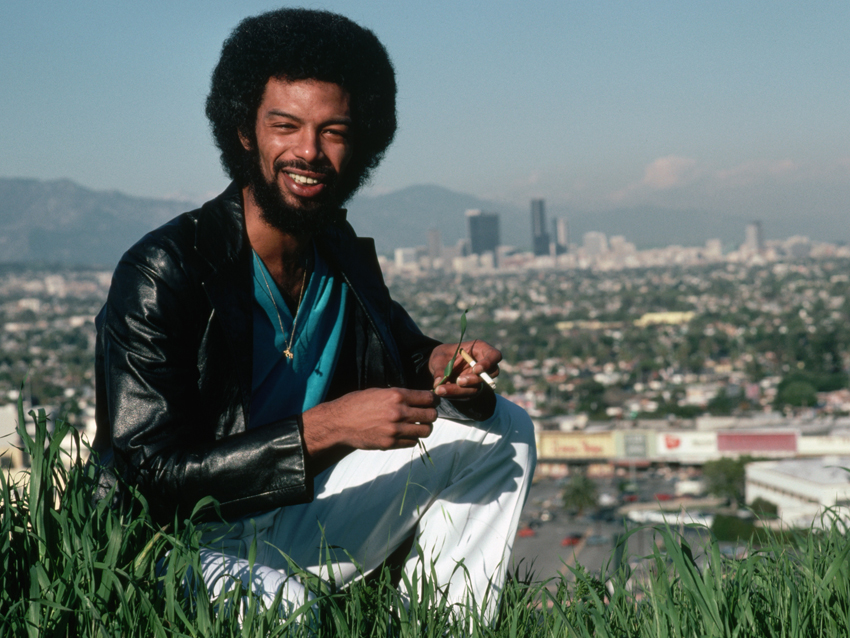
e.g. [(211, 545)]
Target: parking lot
[(543, 550)]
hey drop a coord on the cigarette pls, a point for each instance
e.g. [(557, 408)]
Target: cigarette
[(472, 362)]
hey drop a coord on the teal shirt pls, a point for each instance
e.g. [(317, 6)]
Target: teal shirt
[(282, 387)]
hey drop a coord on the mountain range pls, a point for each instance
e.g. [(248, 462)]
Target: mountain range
[(60, 221)]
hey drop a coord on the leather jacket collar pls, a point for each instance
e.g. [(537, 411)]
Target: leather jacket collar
[(222, 242)]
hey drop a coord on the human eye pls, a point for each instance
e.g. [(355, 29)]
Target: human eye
[(337, 132)]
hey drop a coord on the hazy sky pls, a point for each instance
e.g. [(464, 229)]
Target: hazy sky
[(735, 107)]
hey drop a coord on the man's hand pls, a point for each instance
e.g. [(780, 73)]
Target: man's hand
[(464, 380), (373, 419)]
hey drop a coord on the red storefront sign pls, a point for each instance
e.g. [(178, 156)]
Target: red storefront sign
[(753, 442)]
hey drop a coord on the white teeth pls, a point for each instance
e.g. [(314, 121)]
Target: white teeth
[(303, 179)]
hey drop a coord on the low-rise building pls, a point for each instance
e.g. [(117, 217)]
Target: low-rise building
[(801, 488)]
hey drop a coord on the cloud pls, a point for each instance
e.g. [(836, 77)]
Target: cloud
[(662, 174), (674, 177), (669, 172)]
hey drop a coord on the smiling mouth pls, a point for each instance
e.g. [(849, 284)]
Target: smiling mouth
[(302, 179)]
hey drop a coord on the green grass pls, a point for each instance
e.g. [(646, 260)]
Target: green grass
[(73, 568)]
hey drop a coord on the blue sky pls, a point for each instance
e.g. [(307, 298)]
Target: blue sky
[(734, 107)]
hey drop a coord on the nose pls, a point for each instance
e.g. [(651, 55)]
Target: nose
[(309, 147)]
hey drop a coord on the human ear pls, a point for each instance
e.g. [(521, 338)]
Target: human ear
[(245, 140)]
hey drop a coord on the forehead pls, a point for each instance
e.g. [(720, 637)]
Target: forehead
[(303, 98)]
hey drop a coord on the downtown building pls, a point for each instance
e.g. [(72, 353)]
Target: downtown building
[(539, 236), (483, 233)]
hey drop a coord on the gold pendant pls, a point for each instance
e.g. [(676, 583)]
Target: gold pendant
[(288, 353)]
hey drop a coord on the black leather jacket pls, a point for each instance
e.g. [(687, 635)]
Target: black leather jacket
[(174, 361)]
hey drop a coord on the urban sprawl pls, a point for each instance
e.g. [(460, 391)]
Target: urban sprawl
[(669, 357)]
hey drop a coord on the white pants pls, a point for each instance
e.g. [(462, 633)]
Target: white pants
[(464, 505)]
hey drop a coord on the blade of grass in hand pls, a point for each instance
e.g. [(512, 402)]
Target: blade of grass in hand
[(451, 364)]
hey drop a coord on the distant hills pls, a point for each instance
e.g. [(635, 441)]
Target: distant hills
[(60, 221), (402, 218)]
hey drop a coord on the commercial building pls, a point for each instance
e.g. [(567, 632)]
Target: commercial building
[(435, 245), (483, 232), (801, 488), (561, 234), (753, 240), (539, 236), (406, 257), (595, 243)]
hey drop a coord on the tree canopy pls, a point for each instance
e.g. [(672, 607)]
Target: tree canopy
[(580, 493)]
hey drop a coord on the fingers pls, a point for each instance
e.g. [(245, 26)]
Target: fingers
[(468, 382), (486, 356), (405, 434), (410, 419), (415, 398), (424, 416), (409, 407), (414, 431), (454, 391)]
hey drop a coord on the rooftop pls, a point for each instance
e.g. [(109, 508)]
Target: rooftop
[(828, 470)]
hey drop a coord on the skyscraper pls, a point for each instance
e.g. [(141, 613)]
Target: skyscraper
[(483, 231), (561, 235), (435, 245), (753, 240), (539, 236)]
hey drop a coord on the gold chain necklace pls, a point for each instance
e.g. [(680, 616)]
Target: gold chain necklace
[(288, 351)]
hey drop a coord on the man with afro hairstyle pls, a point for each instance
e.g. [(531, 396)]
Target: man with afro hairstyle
[(249, 350)]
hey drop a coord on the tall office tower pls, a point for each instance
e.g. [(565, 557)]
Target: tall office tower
[(483, 231), (435, 244), (561, 233), (753, 240), (539, 236)]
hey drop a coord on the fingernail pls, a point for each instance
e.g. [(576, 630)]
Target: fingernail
[(441, 390)]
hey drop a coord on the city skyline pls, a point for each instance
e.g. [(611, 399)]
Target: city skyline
[(482, 251), (735, 110)]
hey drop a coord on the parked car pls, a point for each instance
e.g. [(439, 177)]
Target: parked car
[(689, 488), (526, 532), (571, 539), (607, 500), (663, 496), (597, 539), (606, 514)]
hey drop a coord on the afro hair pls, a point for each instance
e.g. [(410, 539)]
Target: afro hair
[(302, 44)]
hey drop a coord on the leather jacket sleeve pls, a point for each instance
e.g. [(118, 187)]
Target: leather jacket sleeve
[(177, 428), (173, 368)]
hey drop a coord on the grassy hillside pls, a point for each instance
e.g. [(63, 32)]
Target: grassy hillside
[(70, 568)]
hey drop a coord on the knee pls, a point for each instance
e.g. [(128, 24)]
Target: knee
[(517, 430)]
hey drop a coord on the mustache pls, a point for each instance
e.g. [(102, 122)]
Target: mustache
[(301, 165)]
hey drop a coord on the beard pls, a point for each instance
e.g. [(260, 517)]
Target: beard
[(309, 218)]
